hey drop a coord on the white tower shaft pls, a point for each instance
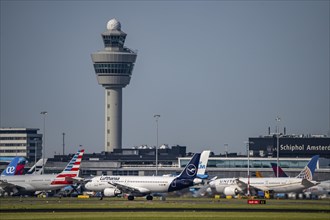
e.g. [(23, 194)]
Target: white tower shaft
[(113, 120), (113, 68)]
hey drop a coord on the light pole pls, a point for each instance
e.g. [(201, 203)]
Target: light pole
[(63, 142), (248, 168), (277, 119), (157, 117), (35, 151), (44, 113), (226, 149)]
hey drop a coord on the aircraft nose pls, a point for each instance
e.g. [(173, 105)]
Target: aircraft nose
[(87, 185)]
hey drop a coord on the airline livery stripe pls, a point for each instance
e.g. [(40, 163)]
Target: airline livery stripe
[(66, 175), (60, 182)]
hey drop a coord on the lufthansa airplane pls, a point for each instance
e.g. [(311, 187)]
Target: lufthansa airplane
[(32, 183), (146, 185)]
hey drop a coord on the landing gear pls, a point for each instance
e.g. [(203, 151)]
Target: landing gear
[(130, 198), (149, 197)]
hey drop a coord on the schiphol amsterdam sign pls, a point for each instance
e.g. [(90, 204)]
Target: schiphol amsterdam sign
[(296, 147)]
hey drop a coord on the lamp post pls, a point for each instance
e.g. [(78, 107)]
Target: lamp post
[(157, 117), (44, 113), (35, 151), (63, 142), (277, 119), (248, 168)]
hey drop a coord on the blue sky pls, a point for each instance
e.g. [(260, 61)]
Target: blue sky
[(217, 72)]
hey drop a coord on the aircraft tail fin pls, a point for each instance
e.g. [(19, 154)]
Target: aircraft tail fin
[(190, 171), (258, 174), (308, 171), (281, 172), (38, 167), (71, 170), (15, 167), (203, 164)]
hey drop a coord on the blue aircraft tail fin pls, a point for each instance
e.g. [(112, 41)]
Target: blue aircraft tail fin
[(190, 171), (15, 167), (308, 171)]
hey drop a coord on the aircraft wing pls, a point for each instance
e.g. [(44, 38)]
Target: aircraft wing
[(253, 190), (4, 185), (307, 183), (130, 189), (75, 179)]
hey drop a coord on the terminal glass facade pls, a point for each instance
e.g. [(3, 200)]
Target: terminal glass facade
[(254, 163)]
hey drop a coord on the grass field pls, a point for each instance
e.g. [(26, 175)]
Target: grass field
[(293, 207), (165, 215)]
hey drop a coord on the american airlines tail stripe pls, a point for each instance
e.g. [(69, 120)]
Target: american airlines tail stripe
[(70, 170)]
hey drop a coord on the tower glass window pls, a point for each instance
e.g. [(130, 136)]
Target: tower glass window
[(119, 68), (113, 40)]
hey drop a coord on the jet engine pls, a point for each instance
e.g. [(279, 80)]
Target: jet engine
[(230, 191), (197, 181), (111, 192)]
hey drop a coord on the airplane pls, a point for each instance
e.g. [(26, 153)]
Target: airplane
[(235, 186), (32, 183), (320, 190), (146, 185), (15, 167)]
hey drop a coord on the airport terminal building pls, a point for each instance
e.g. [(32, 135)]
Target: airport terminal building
[(295, 152), (141, 161), (290, 146), (22, 142)]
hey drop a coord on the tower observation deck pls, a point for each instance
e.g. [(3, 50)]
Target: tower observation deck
[(113, 68)]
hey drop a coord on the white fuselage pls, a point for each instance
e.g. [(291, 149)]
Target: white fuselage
[(322, 189), (278, 185), (30, 182), (146, 184)]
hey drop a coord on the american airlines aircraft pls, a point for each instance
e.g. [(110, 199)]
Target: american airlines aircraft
[(32, 183), (146, 185), (235, 186)]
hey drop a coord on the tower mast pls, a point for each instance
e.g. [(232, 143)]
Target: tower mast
[(113, 68)]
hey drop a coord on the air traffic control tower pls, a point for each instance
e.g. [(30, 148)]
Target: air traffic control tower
[(113, 68)]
